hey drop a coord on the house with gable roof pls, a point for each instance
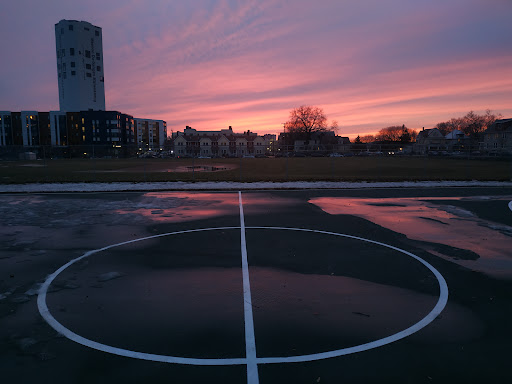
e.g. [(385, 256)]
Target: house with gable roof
[(429, 140), (497, 138)]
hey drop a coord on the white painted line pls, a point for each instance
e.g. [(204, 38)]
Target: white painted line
[(45, 312), (510, 205), (250, 341), (431, 316)]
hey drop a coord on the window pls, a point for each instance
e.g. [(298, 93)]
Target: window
[(71, 51), (97, 55), (97, 33), (85, 28), (98, 68), (73, 73), (70, 27), (72, 64), (88, 54), (88, 74), (87, 66), (63, 52)]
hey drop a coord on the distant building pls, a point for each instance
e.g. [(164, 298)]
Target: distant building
[(456, 140), (324, 141), (82, 126), (429, 140), (498, 138), (57, 129), (80, 69), (223, 143), (25, 128), (270, 143), (150, 134)]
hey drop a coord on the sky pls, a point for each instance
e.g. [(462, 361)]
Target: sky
[(211, 64)]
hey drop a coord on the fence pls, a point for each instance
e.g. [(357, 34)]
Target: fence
[(111, 164)]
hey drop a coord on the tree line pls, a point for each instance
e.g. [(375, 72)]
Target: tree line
[(472, 124), (305, 120)]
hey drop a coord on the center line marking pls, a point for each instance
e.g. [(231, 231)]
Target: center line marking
[(250, 341)]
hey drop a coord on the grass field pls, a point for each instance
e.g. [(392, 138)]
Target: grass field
[(246, 169)]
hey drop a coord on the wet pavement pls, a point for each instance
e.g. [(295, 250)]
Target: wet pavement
[(175, 287)]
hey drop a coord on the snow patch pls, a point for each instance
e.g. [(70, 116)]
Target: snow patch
[(174, 186)]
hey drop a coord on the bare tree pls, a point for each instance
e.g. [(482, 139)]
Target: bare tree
[(392, 133), (367, 139), (334, 126), (472, 124), (305, 120), (397, 133)]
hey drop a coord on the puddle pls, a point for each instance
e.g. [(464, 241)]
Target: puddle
[(174, 168), (182, 206), (436, 223)]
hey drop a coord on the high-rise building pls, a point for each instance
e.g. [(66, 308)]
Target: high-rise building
[(80, 66)]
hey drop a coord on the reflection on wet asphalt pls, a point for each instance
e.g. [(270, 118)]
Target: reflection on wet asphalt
[(134, 209), (182, 295), (441, 223), (181, 206)]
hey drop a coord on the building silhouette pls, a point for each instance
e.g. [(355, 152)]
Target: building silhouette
[(82, 126), (80, 71)]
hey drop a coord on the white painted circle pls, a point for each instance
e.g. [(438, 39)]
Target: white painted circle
[(431, 316)]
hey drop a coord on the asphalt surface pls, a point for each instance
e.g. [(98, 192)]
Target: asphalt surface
[(181, 294)]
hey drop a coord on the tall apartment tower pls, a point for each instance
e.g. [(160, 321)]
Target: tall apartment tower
[(80, 66)]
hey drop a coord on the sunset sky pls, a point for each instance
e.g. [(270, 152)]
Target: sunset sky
[(214, 63)]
